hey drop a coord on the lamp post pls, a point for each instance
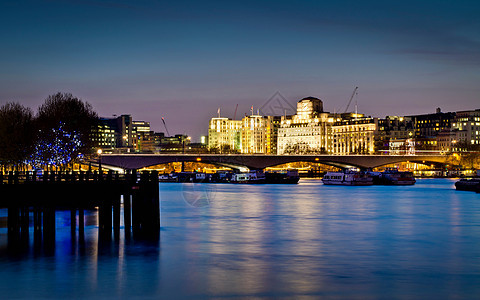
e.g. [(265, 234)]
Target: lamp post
[(99, 152)]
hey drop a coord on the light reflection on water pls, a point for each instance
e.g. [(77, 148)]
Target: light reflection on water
[(271, 241)]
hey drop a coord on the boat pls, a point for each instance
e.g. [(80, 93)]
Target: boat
[(468, 185), (392, 176), (255, 176), (347, 177), (289, 177), (258, 176)]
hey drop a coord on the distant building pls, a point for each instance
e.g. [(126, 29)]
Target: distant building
[(111, 134), (253, 134), (142, 137), (353, 134), (468, 125), (224, 135), (429, 125), (307, 131), (124, 131), (450, 140), (175, 144), (395, 135), (259, 134)]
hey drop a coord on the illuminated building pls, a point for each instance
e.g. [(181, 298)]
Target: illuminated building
[(450, 140), (113, 133), (104, 135), (142, 137), (224, 135), (253, 134), (307, 131), (259, 134), (468, 125), (174, 144), (395, 135), (429, 125), (353, 134)]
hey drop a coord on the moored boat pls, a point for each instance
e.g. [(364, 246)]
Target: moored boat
[(289, 177), (347, 177), (468, 185), (255, 176), (392, 176)]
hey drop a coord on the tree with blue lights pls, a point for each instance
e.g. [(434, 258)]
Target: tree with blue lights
[(64, 125)]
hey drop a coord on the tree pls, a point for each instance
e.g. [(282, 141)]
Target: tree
[(65, 126), (16, 134), (469, 154)]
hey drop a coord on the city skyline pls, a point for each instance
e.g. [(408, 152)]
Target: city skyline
[(182, 61)]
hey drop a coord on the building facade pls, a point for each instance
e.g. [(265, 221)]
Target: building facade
[(224, 135), (307, 131), (468, 125), (353, 134), (259, 134)]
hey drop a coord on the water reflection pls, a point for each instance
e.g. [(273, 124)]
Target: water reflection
[(269, 241)]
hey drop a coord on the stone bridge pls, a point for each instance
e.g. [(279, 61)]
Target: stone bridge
[(262, 161)]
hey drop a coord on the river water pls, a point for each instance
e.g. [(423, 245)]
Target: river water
[(304, 241)]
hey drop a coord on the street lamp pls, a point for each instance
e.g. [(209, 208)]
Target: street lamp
[(99, 152)]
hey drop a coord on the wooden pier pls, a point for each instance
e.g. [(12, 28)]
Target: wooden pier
[(35, 198)]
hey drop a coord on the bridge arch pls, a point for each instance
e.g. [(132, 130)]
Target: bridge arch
[(260, 161)]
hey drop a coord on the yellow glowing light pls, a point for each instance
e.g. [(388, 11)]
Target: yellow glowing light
[(99, 151), (199, 159), (317, 159)]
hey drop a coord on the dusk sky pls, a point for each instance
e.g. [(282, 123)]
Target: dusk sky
[(182, 60)]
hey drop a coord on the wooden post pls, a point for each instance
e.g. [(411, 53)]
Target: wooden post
[(116, 216), (145, 207), (73, 223), (105, 216), (110, 176), (49, 227), (155, 198), (25, 219), (52, 176), (127, 210), (81, 224), (10, 177), (12, 223), (25, 222), (37, 227)]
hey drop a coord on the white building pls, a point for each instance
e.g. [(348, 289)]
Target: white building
[(307, 131), (469, 123)]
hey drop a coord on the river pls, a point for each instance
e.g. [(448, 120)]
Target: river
[(304, 241)]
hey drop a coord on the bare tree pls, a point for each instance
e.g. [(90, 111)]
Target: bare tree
[(65, 126), (16, 134)]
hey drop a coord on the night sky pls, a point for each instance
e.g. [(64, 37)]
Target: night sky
[(182, 60)]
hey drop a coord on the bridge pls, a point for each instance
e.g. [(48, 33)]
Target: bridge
[(262, 161)]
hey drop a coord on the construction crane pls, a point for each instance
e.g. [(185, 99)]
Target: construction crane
[(351, 98), (235, 114), (163, 120)]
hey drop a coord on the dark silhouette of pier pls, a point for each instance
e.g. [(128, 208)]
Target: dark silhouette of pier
[(30, 197)]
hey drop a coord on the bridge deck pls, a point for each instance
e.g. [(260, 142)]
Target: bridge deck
[(261, 161)]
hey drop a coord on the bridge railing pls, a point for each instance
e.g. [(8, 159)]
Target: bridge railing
[(25, 177)]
